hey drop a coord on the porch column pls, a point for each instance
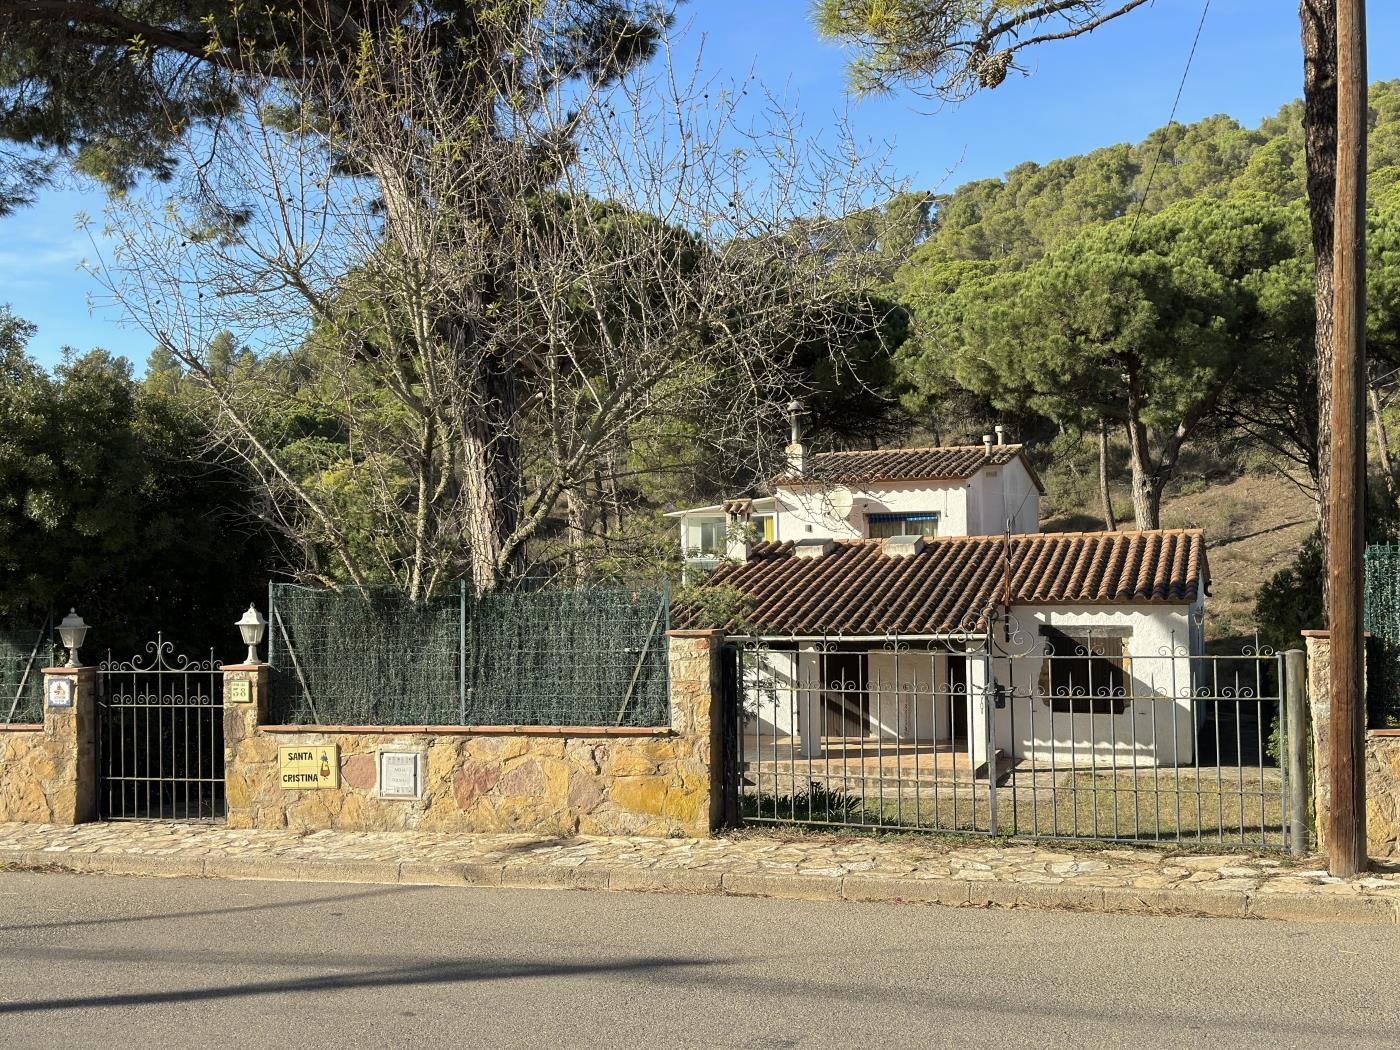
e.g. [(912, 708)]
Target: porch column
[(978, 701), (808, 700), (70, 740)]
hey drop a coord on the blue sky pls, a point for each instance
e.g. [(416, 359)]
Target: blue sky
[(1113, 86)]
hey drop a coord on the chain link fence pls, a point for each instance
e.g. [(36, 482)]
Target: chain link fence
[(23, 655), (1383, 621), (591, 656)]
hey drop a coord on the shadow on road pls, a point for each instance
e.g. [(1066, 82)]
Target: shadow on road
[(202, 913), (446, 972)]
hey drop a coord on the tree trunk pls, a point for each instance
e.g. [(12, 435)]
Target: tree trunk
[(1110, 521), (1319, 28), (1147, 489), (581, 507), (1383, 442), (491, 478), (1147, 492), (1147, 477)]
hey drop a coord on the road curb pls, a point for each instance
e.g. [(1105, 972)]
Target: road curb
[(862, 888)]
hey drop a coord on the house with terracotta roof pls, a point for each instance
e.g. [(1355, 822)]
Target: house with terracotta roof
[(905, 598)]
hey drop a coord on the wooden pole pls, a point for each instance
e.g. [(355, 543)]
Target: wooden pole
[(1346, 837)]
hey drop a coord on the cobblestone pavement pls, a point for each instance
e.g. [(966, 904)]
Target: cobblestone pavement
[(808, 866)]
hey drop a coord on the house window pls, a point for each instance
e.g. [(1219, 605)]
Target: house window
[(924, 523), (705, 537), (1084, 671), (765, 526)]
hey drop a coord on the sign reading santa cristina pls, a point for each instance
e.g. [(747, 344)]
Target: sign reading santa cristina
[(309, 766)]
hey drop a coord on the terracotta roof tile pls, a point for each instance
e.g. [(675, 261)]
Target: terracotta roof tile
[(857, 589), (949, 463)]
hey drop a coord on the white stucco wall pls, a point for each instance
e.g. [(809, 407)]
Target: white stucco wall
[(999, 493), (1157, 727), (978, 506), (911, 699)]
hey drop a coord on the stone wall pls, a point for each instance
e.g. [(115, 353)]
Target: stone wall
[(48, 772), (1382, 761), (600, 781)]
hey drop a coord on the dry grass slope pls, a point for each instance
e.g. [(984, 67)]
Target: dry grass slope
[(1254, 526)]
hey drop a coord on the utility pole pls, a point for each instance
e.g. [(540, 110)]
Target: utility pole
[(1346, 819)]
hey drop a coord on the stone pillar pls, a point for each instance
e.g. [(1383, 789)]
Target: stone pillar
[(70, 738), (245, 708), (1319, 648), (697, 718)]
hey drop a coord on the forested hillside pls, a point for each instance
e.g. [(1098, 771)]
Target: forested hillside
[(1153, 298), (1143, 315)]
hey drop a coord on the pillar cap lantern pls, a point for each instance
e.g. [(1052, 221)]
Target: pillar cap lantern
[(252, 627), (73, 632)]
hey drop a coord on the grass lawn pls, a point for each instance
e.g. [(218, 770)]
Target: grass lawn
[(1226, 806)]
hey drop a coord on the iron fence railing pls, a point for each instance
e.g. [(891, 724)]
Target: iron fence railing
[(1076, 736), (585, 657)]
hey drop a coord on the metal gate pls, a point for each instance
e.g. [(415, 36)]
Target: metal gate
[(1052, 732), (160, 737)]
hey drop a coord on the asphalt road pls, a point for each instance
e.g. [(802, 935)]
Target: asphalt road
[(101, 961)]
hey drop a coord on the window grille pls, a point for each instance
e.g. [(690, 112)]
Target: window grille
[(882, 526)]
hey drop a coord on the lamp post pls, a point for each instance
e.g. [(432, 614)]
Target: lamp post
[(72, 630), (252, 627)]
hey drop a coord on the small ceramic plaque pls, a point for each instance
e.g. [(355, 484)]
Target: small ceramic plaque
[(60, 692)]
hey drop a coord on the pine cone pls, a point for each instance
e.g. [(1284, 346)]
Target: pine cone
[(992, 70)]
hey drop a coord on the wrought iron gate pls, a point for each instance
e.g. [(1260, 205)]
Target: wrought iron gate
[(1045, 732), (160, 737)]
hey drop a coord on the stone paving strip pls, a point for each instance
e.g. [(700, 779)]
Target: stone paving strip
[(994, 873)]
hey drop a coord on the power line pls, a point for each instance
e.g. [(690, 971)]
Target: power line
[(1171, 119)]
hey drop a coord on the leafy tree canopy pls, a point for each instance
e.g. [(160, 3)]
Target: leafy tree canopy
[(104, 507)]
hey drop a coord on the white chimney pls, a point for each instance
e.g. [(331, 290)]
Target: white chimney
[(902, 546), (817, 547), (738, 529), (796, 453), (1001, 434), (987, 442)]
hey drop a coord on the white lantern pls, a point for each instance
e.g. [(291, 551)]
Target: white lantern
[(72, 630), (253, 626)]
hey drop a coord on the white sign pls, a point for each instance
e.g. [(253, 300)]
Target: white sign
[(399, 774)]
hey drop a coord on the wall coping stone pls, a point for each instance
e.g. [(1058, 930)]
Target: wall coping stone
[(22, 727), (243, 667), (478, 730), (707, 632), (1317, 632)]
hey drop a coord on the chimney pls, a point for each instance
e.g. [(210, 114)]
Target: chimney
[(796, 454), (1001, 434), (902, 546), (987, 442), (738, 529)]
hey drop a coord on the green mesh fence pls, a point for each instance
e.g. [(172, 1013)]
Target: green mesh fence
[(592, 656), (23, 655), (1383, 621)]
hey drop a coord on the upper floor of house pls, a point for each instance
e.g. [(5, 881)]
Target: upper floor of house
[(960, 490)]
